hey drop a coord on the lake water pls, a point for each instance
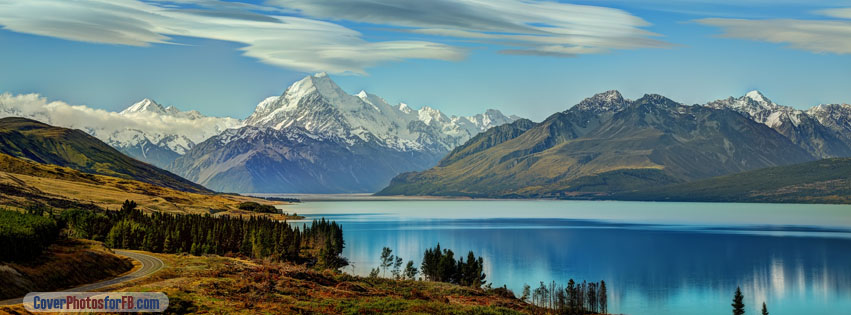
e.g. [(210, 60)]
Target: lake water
[(656, 258)]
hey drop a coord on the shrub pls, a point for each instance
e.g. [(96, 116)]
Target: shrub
[(25, 236), (256, 207)]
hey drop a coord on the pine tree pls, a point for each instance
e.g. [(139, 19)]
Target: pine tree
[(738, 305), (386, 259), (764, 309)]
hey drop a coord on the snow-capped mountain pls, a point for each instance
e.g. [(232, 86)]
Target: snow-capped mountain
[(610, 101), (837, 117), (801, 127), (318, 105), (316, 138), (146, 130)]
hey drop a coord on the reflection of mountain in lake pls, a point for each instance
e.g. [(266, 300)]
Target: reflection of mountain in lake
[(650, 269)]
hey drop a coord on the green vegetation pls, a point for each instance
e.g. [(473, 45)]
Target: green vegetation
[(823, 181), (42, 143), (738, 305), (256, 207), (25, 236), (573, 299), (321, 243), (284, 199), (440, 265), (226, 285), (64, 264)]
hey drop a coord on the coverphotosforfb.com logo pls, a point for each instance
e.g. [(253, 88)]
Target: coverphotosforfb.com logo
[(96, 302)]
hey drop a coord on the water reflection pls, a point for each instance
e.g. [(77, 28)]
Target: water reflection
[(650, 268)]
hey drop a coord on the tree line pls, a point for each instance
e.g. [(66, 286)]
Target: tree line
[(438, 265), (320, 244), (24, 236), (575, 298)]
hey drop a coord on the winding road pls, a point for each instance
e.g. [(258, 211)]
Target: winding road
[(150, 264)]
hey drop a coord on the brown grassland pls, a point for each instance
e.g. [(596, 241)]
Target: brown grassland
[(228, 285), (23, 182), (63, 265)]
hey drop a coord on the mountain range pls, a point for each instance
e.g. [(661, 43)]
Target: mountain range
[(608, 144), (315, 138)]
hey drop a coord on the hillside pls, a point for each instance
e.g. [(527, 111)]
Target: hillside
[(224, 285), (42, 143), (606, 144), (67, 263), (823, 181), (23, 183)]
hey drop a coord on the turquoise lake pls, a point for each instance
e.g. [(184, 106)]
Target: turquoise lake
[(656, 258)]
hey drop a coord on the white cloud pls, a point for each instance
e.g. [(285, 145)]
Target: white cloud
[(540, 27), (819, 36), (293, 42), (297, 34), (111, 126)]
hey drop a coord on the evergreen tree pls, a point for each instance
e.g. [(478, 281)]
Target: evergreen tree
[(257, 237), (410, 271), (764, 309), (526, 293), (738, 304)]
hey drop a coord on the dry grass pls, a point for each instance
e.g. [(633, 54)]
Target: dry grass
[(223, 285), (41, 181), (229, 285), (65, 264)]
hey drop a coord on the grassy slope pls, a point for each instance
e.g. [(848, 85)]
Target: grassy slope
[(65, 264), (76, 149), (215, 284), (24, 182), (823, 181)]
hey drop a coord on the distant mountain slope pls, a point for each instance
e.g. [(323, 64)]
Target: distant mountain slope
[(607, 144), (823, 181), (42, 143), (24, 182), (266, 160), (811, 130), (146, 131), (315, 138)]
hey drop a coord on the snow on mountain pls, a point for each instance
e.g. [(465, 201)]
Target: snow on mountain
[(319, 106), (834, 116), (761, 109), (177, 140), (812, 129), (146, 130)]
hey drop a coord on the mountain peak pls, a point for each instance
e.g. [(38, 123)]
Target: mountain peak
[(320, 83), (758, 97), (146, 105), (610, 100)]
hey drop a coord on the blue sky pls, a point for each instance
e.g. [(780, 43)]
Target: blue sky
[(524, 57)]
